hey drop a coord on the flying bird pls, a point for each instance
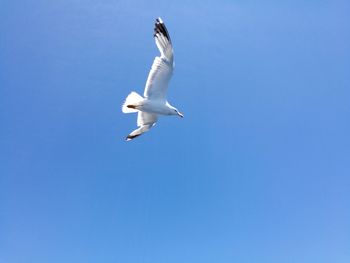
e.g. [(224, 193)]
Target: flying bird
[(154, 103)]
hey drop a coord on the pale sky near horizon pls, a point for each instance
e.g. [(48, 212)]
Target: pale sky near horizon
[(257, 171)]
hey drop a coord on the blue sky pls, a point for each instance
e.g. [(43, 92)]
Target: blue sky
[(257, 171)]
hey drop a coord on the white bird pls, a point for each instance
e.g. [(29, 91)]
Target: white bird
[(154, 102)]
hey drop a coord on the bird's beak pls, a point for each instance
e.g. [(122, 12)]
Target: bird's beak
[(180, 114)]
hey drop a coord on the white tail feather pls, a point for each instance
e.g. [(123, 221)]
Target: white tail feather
[(133, 99)]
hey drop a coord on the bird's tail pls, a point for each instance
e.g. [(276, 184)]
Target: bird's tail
[(131, 101)]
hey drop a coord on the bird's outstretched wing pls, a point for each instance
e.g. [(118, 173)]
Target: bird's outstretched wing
[(162, 68), (145, 121)]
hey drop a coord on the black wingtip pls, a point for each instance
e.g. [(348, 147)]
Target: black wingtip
[(130, 137), (160, 28)]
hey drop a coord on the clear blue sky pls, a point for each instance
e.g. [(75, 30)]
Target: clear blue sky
[(257, 171)]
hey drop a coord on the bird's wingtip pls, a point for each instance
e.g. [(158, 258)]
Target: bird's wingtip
[(130, 137), (160, 28)]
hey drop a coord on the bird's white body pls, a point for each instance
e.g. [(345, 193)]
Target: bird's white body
[(156, 107), (154, 102)]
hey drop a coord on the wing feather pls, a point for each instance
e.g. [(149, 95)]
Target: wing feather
[(162, 67), (145, 121)]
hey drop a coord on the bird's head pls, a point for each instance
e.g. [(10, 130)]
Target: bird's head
[(175, 111)]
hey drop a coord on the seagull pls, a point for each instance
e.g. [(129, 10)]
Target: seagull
[(154, 103)]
